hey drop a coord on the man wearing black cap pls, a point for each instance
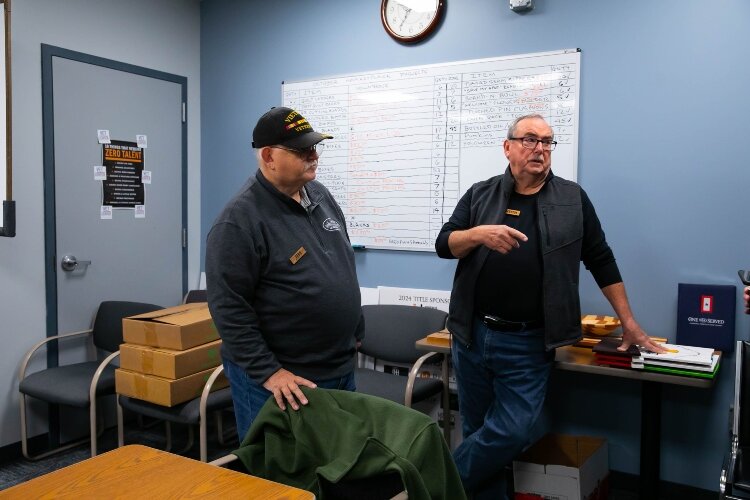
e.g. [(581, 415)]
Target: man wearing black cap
[(282, 284)]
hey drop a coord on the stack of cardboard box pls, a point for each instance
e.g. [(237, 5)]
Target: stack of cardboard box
[(169, 355)]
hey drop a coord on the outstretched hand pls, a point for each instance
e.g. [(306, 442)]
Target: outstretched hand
[(285, 387), (632, 333)]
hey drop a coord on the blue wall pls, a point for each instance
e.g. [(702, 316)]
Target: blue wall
[(664, 110)]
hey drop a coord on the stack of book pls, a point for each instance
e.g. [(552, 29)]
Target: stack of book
[(606, 353), (682, 360)]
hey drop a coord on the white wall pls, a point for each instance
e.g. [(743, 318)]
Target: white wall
[(163, 35)]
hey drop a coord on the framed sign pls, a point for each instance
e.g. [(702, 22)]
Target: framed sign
[(8, 209)]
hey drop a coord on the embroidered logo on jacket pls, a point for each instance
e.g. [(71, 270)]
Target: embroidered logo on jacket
[(331, 225)]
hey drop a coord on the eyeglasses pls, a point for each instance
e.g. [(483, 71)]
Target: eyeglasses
[(531, 142), (303, 153)]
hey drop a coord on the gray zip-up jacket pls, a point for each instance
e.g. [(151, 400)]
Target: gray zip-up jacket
[(282, 284), (569, 232)]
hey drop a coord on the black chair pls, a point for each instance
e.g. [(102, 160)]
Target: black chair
[(192, 413), (79, 384), (735, 475), (390, 334), (195, 296)]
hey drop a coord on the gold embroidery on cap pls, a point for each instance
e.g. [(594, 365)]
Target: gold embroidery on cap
[(510, 211), (297, 255)]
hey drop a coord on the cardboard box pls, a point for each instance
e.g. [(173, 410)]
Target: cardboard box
[(563, 467), (167, 363), (163, 391), (180, 327)]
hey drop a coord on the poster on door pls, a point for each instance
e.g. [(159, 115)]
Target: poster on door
[(123, 187)]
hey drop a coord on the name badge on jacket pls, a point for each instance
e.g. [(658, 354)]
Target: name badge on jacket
[(297, 255)]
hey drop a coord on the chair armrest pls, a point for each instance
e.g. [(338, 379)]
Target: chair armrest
[(98, 373), (27, 358), (222, 461), (207, 390), (413, 375)]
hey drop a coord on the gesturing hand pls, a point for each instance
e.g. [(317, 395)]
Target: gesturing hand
[(502, 238), (285, 386)]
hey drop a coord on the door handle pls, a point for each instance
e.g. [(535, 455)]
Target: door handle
[(70, 263)]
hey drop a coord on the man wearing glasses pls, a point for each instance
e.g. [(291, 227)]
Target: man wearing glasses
[(520, 238), (282, 285)]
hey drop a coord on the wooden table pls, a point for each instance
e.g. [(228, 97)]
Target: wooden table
[(136, 471), (582, 360)]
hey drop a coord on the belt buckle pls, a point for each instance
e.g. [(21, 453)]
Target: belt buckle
[(490, 321)]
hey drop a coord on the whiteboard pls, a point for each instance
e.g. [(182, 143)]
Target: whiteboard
[(408, 142)]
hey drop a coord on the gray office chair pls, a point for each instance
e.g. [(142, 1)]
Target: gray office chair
[(735, 474), (390, 334), (79, 384), (191, 413), (195, 296)]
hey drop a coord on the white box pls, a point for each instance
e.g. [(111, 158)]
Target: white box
[(563, 467)]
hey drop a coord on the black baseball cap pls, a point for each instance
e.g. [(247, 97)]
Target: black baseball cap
[(286, 127)]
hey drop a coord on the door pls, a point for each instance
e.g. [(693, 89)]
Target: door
[(126, 257)]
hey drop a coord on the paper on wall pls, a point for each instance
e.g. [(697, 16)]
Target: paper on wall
[(437, 299)]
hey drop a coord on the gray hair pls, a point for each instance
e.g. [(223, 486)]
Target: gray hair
[(514, 124)]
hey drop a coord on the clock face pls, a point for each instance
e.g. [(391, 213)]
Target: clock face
[(410, 20)]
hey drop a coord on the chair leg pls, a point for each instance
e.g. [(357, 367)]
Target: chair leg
[(191, 439), (25, 438), (444, 368), (120, 425), (220, 427), (168, 430), (202, 438), (92, 425)]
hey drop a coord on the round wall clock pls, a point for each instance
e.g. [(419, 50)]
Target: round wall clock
[(410, 20)]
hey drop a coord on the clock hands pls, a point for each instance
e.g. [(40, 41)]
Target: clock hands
[(408, 11)]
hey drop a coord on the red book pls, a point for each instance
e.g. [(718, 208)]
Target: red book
[(620, 362)]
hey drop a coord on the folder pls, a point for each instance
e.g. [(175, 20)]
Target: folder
[(705, 315)]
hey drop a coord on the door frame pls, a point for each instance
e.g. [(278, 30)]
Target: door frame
[(48, 122)]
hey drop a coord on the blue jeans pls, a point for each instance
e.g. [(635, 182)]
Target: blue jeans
[(502, 380), (249, 397)]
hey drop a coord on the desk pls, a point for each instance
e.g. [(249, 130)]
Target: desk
[(136, 471), (579, 359)]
